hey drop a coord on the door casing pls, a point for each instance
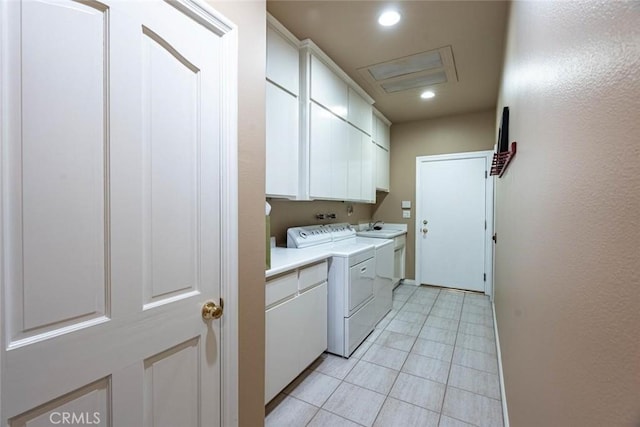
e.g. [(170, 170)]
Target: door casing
[(421, 161)]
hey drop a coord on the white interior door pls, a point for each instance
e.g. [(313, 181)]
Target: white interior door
[(451, 220), (111, 232)]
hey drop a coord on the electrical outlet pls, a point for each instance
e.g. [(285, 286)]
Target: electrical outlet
[(406, 204), (406, 214)]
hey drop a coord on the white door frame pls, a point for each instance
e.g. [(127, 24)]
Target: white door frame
[(204, 14), (489, 183)]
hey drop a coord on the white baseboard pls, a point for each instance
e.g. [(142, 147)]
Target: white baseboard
[(503, 395)]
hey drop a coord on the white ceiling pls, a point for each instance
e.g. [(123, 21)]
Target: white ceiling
[(349, 33)]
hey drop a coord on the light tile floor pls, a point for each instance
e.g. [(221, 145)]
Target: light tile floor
[(430, 362)]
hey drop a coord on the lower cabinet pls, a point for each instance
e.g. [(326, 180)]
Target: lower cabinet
[(399, 258), (383, 299), (383, 285), (312, 325), (295, 331), (281, 353)]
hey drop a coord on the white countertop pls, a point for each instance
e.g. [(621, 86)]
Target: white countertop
[(385, 233), (375, 241), (285, 259)]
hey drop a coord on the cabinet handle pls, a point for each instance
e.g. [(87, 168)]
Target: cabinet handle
[(363, 269)]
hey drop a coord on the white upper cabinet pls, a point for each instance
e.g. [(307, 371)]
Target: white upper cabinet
[(329, 154), (282, 113), (382, 168), (327, 89), (283, 63), (354, 181), (368, 189), (282, 146), (374, 126), (361, 167), (360, 112), (381, 137), (381, 134), (384, 133), (319, 125)]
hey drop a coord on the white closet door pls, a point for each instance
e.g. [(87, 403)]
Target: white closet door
[(111, 223)]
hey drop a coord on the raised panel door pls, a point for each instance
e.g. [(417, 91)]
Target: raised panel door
[(112, 219)]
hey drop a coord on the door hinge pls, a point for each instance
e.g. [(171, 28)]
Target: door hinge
[(485, 225), (485, 277), (495, 238), (485, 175)]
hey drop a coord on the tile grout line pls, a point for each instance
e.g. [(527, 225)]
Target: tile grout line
[(444, 396), (333, 392), (403, 363), (396, 378), (477, 394), (343, 380)]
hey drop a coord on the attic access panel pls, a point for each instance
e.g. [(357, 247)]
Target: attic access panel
[(407, 65), (419, 70)]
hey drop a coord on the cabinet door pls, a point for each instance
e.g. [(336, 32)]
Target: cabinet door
[(320, 121), (339, 158), (368, 185), (282, 325), (327, 89), (386, 140), (282, 143), (328, 154), (382, 134), (382, 169), (360, 112), (283, 63), (374, 127), (354, 180), (312, 324), (383, 301)]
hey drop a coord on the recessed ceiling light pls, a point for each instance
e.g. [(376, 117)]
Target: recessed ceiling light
[(389, 18), (427, 94)]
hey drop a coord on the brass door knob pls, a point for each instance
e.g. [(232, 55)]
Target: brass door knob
[(211, 310)]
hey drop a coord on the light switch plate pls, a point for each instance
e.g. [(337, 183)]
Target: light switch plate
[(406, 214), (406, 204)]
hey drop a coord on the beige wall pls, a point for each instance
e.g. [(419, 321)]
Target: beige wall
[(250, 17), (285, 214), (451, 134), (568, 222)]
